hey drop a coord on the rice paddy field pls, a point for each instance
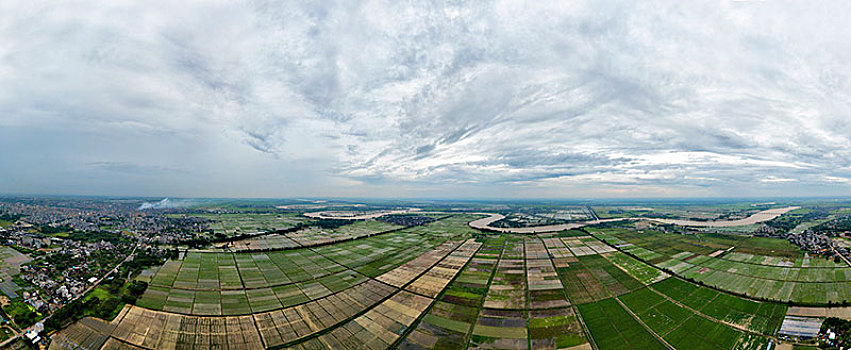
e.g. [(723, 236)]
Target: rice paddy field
[(242, 223), (225, 283), (10, 265), (441, 286), (688, 316), (756, 267), (311, 236)]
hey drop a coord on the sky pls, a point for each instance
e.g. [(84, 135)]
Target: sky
[(444, 99)]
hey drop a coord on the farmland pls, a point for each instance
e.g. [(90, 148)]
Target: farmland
[(9, 266), (310, 236), (614, 328), (680, 312), (444, 285), (223, 283), (761, 268), (586, 275), (241, 223)]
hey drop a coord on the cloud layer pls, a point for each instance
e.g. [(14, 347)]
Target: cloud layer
[(435, 99)]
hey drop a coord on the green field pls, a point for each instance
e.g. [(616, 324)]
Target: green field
[(613, 328), (482, 307), (644, 273), (767, 268), (242, 223), (594, 278), (760, 317), (222, 283), (417, 288)]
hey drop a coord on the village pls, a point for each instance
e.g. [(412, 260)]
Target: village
[(818, 243)]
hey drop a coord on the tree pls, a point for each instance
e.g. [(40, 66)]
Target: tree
[(26, 319), (136, 288), (107, 306), (115, 285)]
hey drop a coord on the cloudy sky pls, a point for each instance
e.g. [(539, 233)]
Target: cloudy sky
[(565, 99)]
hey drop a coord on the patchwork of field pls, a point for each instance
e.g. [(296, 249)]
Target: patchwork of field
[(264, 242), (88, 333), (754, 316), (586, 275), (543, 283), (463, 317), (10, 265), (383, 326), (311, 236), (681, 315), (843, 312), (762, 268), (242, 223), (217, 283), (508, 285), (315, 235), (438, 286), (373, 308), (614, 328), (641, 271)]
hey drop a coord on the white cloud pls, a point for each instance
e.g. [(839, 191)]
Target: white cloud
[(379, 97), (837, 179), (775, 179)]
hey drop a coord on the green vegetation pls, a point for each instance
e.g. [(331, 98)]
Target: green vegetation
[(97, 236), (758, 267), (572, 233), (22, 313), (107, 300), (233, 224), (6, 333), (760, 317), (592, 278), (339, 285), (645, 273), (102, 302), (56, 231), (792, 219), (842, 328), (613, 328)]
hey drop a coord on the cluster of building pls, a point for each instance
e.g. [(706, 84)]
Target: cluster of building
[(85, 215), (24, 239), (834, 333), (810, 241), (817, 243), (81, 218), (83, 263)]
